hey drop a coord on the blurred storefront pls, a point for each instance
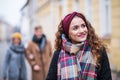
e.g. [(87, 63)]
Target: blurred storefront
[(104, 15), (5, 31), (2, 31)]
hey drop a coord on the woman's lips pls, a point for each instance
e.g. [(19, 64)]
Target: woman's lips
[(82, 35)]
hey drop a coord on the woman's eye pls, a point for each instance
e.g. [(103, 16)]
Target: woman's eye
[(75, 27), (83, 25)]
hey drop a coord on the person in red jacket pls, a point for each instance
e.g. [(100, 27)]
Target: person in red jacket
[(80, 54)]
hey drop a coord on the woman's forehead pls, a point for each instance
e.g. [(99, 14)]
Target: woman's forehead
[(77, 20)]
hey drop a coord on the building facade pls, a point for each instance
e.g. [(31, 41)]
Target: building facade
[(5, 31), (104, 15)]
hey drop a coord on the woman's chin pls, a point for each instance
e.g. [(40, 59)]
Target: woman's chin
[(81, 40)]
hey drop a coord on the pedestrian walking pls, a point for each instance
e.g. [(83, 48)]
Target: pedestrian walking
[(14, 65), (39, 54), (80, 54)]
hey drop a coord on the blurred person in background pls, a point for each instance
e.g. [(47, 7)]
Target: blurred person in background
[(39, 54), (80, 54), (14, 66)]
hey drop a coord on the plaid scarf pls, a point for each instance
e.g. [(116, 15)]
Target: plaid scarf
[(76, 62)]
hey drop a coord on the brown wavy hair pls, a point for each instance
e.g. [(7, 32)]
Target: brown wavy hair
[(94, 40)]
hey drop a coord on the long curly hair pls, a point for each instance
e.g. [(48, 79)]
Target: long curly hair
[(94, 40)]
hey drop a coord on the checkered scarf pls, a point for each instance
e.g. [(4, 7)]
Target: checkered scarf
[(76, 62)]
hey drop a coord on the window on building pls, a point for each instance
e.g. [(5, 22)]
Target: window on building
[(64, 7), (76, 5), (105, 20), (88, 10)]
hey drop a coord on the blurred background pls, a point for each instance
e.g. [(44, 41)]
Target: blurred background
[(23, 15)]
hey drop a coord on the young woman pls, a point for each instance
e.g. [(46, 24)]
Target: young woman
[(14, 66), (79, 55)]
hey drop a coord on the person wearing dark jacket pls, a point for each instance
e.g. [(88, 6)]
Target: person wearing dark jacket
[(14, 67), (80, 54)]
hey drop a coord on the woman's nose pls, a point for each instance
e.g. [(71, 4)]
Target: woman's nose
[(81, 30)]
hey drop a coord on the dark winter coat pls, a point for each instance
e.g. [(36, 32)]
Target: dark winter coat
[(103, 73)]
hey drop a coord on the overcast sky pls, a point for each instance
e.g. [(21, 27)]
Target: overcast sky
[(10, 10)]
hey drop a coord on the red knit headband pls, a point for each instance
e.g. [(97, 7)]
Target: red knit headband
[(67, 20)]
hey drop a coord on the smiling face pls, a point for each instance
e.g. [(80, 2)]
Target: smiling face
[(38, 33), (16, 41), (78, 30)]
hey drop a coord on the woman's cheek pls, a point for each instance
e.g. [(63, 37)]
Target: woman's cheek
[(73, 34)]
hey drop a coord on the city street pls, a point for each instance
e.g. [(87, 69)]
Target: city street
[(4, 46), (45, 21)]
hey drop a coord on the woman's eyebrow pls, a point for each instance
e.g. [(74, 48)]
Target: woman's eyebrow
[(82, 23), (75, 25)]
